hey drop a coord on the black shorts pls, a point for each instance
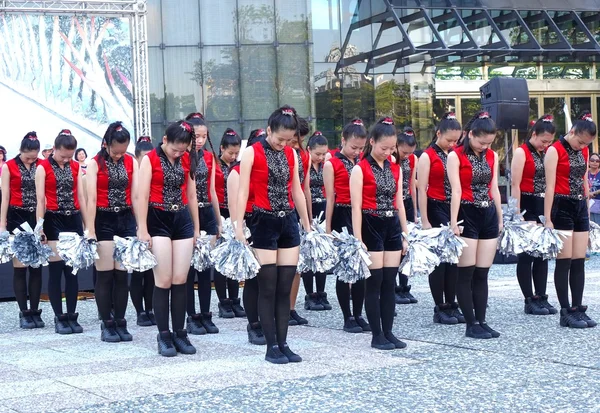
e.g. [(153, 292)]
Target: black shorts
[(109, 224), (342, 217), (438, 212), (570, 214), (270, 232), (409, 208), (318, 208), (208, 221), (15, 217), (224, 212), (478, 223), (55, 223), (171, 224), (533, 206), (381, 233)]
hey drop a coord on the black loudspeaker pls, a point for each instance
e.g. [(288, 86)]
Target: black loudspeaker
[(507, 101)]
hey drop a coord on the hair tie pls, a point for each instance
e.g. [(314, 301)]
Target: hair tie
[(409, 133), (32, 136), (231, 133), (451, 116), (186, 127), (483, 115), (387, 121), (144, 139), (587, 117), (548, 118), (260, 132), (531, 123), (358, 122), (197, 116), (287, 112), (118, 129), (65, 132), (317, 133)]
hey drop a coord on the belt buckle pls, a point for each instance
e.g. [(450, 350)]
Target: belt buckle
[(543, 195), (174, 207), (117, 209), (485, 204), (317, 200), (281, 214), (389, 214), (31, 209), (580, 197), (68, 213)]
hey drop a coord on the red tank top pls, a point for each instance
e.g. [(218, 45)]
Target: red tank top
[(570, 170), (250, 201), (476, 173), (408, 166), (332, 152), (221, 175), (380, 185), (61, 185), (113, 184), (169, 181), (22, 183), (202, 176), (272, 177), (533, 181), (342, 168), (439, 184)]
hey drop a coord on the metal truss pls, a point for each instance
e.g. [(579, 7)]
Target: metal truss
[(451, 32), (135, 10)]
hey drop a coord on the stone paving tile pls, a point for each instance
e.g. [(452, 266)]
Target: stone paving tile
[(66, 399)]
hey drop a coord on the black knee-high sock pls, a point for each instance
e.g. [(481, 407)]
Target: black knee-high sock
[(358, 298), (307, 280), (120, 294), (190, 296), (204, 290), (372, 304), (148, 289), (524, 274), (20, 287), (464, 292), (450, 277), (480, 292), (402, 280), (321, 279), (103, 292), (267, 287), (577, 280), (35, 287), (540, 275), (233, 286), (71, 289), (436, 284), (561, 281), (55, 270), (178, 298), (250, 297), (220, 285), (342, 291), (387, 298), (136, 291), (285, 279), (161, 308)]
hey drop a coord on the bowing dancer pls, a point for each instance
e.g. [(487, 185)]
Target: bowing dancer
[(473, 175), (566, 208), (529, 188), (61, 203), (18, 206), (272, 167), (170, 224), (336, 177), (435, 194)]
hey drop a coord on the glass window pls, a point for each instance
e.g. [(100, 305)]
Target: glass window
[(510, 27), (358, 94), (256, 19), (294, 82), (157, 84), (292, 25), (218, 21), (221, 75), (533, 116), (478, 25), (441, 106), (154, 21), (468, 109), (183, 90), (259, 88), (555, 107), (217, 129), (543, 32), (328, 101), (157, 133), (182, 20), (250, 125), (579, 105), (325, 28)]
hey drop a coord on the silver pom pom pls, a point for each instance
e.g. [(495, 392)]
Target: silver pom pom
[(232, 258), (511, 213), (201, 259), (353, 263), (133, 254), (6, 253), (420, 259), (28, 247), (448, 246), (546, 242), (77, 251), (515, 237), (317, 249), (594, 241)]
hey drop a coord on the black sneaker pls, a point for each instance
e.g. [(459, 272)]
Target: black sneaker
[(299, 319), (408, 295), (194, 325), (61, 324), (208, 324), (455, 312), (392, 339), (182, 342), (292, 321), (323, 300), (442, 314), (255, 334), (569, 317), (583, 316), (225, 310), (291, 356), (381, 343), (312, 302), (108, 332), (534, 306), (489, 329), (477, 331), (143, 320), (351, 326), (151, 316), (165, 344), (122, 330), (366, 327), (26, 320), (544, 302), (237, 308), (75, 326), (401, 297), (275, 356), (37, 318)]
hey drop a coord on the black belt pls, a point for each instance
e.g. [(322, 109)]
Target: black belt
[(21, 208), (478, 204), (439, 201), (380, 213), (167, 207), (279, 214), (204, 204), (540, 195), (343, 205), (114, 209), (319, 200), (573, 197), (67, 212)]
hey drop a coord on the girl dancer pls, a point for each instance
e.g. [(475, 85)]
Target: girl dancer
[(61, 203), (565, 208), (378, 218), (111, 180), (473, 174), (529, 188), (336, 177), (272, 167), (170, 224), (434, 203), (594, 185), (18, 206)]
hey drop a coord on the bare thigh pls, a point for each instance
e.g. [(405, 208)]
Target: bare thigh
[(580, 244), (266, 257), (468, 257), (105, 261), (376, 258), (163, 272), (182, 256), (486, 252), (392, 258), (288, 256)]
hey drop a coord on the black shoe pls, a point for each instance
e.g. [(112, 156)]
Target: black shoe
[(194, 325), (544, 302), (401, 297), (255, 334), (583, 316), (165, 344), (534, 306), (37, 318), (392, 339), (108, 332), (351, 326), (312, 302), (569, 317), (489, 329), (477, 331), (299, 319), (237, 308), (151, 316), (208, 324), (292, 321), (291, 356), (442, 314), (182, 342), (455, 312), (323, 300), (61, 324), (26, 320), (366, 327), (225, 310), (275, 356), (75, 326), (381, 343), (143, 320), (122, 330), (408, 295)]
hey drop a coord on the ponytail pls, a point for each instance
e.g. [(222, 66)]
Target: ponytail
[(448, 122), (480, 124), (115, 133), (384, 127), (545, 124), (584, 124)]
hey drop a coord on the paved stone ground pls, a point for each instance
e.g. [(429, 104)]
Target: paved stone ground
[(535, 366)]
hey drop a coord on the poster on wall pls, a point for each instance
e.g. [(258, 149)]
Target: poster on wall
[(64, 72)]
